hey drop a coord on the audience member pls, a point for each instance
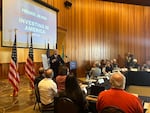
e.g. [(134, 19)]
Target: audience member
[(95, 70), (55, 62), (129, 60), (108, 68), (40, 76), (47, 89), (74, 92), (61, 77), (146, 66), (117, 96), (114, 64), (102, 65), (134, 64)]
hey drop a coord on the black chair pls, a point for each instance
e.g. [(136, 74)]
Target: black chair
[(65, 105), (37, 98), (47, 108), (112, 109)]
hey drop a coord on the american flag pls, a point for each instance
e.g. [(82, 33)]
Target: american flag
[(13, 74), (48, 55), (29, 66)]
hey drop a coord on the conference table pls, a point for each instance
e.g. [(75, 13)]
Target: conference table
[(138, 78)]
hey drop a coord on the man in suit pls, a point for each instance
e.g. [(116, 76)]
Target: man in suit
[(55, 62)]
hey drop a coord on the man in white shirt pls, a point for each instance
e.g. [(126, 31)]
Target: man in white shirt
[(47, 88)]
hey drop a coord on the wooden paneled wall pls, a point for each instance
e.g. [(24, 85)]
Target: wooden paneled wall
[(96, 30), (104, 30)]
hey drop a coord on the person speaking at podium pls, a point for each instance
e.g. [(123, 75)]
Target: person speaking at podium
[(55, 62)]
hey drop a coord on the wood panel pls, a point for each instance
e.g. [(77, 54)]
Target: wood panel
[(104, 30), (4, 69), (96, 30)]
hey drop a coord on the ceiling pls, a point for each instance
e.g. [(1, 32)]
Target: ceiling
[(136, 2)]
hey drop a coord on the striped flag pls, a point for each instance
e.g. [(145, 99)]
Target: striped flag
[(13, 74), (48, 55), (29, 66)]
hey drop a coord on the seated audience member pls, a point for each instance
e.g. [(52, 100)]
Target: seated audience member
[(95, 70), (74, 92), (61, 77), (114, 64), (134, 64), (129, 60), (102, 65), (146, 66), (108, 68), (47, 89), (40, 76), (117, 96)]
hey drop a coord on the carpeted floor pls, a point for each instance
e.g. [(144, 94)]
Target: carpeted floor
[(24, 103), (140, 90)]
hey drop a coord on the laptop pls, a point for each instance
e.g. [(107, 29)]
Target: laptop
[(95, 90)]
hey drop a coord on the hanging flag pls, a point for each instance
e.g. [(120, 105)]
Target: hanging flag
[(13, 74), (48, 55), (63, 53), (29, 66)]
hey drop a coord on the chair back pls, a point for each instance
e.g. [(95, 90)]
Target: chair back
[(65, 105), (112, 109), (37, 97), (37, 94)]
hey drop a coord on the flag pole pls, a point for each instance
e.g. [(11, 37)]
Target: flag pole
[(29, 67), (13, 74)]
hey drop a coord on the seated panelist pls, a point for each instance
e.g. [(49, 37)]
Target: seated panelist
[(95, 70)]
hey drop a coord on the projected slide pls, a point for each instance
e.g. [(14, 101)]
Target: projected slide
[(28, 17)]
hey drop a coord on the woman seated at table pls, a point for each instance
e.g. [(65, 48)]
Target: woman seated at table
[(108, 68), (61, 77), (74, 92)]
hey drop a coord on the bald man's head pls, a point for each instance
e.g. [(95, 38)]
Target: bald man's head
[(49, 73), (117, 80)]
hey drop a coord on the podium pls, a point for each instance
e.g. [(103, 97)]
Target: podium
[(72, 65)]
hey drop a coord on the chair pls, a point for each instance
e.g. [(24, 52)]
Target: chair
[(65, 105), (112, 109), (37, 97)]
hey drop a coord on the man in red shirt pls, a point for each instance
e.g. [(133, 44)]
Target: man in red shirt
[(116, 96)]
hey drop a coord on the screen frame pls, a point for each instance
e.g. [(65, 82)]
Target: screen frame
[(40, 2)]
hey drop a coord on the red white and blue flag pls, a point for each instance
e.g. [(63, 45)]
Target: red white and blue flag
[(29, 66), (13, 74)]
